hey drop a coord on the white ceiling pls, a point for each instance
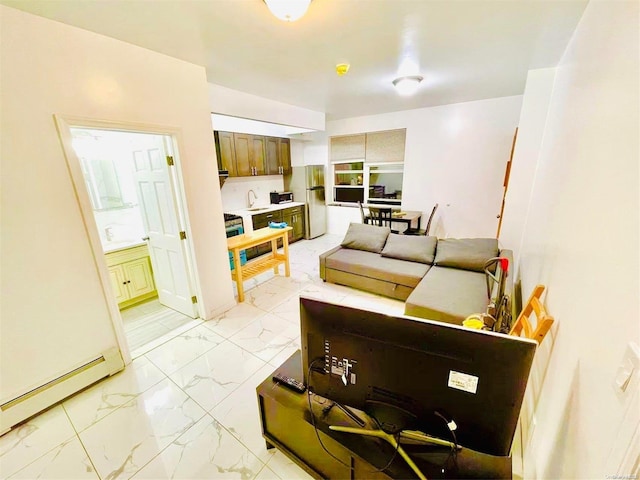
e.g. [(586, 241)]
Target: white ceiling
[(466, 50)]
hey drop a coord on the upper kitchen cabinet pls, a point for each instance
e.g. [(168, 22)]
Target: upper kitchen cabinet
[(226, 152), (250, 154), (246, 155), (278, 155), (285, 155)]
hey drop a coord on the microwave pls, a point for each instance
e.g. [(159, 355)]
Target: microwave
[(281, 197)]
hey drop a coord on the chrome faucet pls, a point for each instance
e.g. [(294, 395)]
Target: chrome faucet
[(255, 197)]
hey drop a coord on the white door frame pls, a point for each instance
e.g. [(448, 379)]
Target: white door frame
[(64, 123)]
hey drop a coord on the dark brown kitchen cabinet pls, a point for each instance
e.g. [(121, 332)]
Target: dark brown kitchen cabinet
[(278, 155), (294, 217), (260, 221), (273, 152), (258, 152), (246, 155), (285, 155), (226, 152), (250, 154)]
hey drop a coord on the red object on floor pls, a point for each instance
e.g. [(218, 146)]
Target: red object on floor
[(504, 264)]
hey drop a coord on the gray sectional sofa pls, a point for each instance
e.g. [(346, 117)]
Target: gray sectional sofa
[(441, 280)]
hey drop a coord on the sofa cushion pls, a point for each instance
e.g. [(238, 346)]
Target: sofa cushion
[(448, 295), (466, 253), (410, 247), (373, 265), (369, 238)]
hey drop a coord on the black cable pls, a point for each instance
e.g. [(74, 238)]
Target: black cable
[(315, 428), (313, 418), (453, 453)]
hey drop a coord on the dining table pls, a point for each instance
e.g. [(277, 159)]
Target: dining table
[(399, 216)]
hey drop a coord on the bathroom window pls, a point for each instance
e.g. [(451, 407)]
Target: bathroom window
[(108, 172)]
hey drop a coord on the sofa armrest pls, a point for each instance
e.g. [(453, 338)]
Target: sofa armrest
[(323, 260)]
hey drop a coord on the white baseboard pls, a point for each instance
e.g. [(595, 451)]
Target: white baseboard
[(19, 409)]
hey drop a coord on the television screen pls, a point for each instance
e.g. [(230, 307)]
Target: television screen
[(413, 374)]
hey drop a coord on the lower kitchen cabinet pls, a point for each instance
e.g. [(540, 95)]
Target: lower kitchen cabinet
[(260, 221), (131, 275), (294, 216)]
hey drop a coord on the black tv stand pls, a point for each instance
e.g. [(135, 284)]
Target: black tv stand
[(286, 424), (391, 427), (391, 439)]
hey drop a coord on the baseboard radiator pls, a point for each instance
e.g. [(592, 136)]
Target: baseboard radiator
[(17, 410)]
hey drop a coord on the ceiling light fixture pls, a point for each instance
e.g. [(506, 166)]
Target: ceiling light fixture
[(288, 10), (407, 85)]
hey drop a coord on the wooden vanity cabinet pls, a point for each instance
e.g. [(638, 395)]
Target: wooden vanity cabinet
[(131, 275)]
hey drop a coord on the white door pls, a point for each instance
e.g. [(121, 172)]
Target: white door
[(159, 210)]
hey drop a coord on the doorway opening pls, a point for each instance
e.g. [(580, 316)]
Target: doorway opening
[(133, 192)]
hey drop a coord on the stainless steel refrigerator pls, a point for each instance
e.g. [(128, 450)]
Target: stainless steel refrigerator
[(307, 185)]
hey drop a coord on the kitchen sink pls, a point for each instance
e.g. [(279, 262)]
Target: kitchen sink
[(257, 209)]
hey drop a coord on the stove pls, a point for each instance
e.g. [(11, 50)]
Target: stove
[(229, 217), (233, 224)]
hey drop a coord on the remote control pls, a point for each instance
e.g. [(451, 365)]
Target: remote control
[(289, 382)]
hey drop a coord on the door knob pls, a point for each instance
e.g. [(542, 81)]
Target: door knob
[(145, 238)]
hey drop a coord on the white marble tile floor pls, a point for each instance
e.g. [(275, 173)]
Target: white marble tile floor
[(186, 407), (149, 324)]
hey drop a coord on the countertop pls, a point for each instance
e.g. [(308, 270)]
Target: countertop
[(111, 247), (246, 213), (258, 209)]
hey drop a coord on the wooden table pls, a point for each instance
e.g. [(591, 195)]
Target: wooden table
[(261, 264), (408, 217)]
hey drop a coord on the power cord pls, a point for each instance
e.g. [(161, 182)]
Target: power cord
[(325, 410), (453, 453)]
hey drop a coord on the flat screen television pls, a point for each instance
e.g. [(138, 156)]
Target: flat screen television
[(409, 373)]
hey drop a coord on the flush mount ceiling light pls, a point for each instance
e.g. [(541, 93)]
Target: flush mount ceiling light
[(407, 85), (288, 10)]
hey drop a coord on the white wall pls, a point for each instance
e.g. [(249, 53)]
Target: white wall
[(54, 313), (533, 117), (227, 101), (581, 240), (235, 191), (244, 125), (455, 155)]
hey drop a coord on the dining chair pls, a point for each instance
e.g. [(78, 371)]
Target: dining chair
[(381, 216), (362, 215), (543, 319), (415, 231)]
